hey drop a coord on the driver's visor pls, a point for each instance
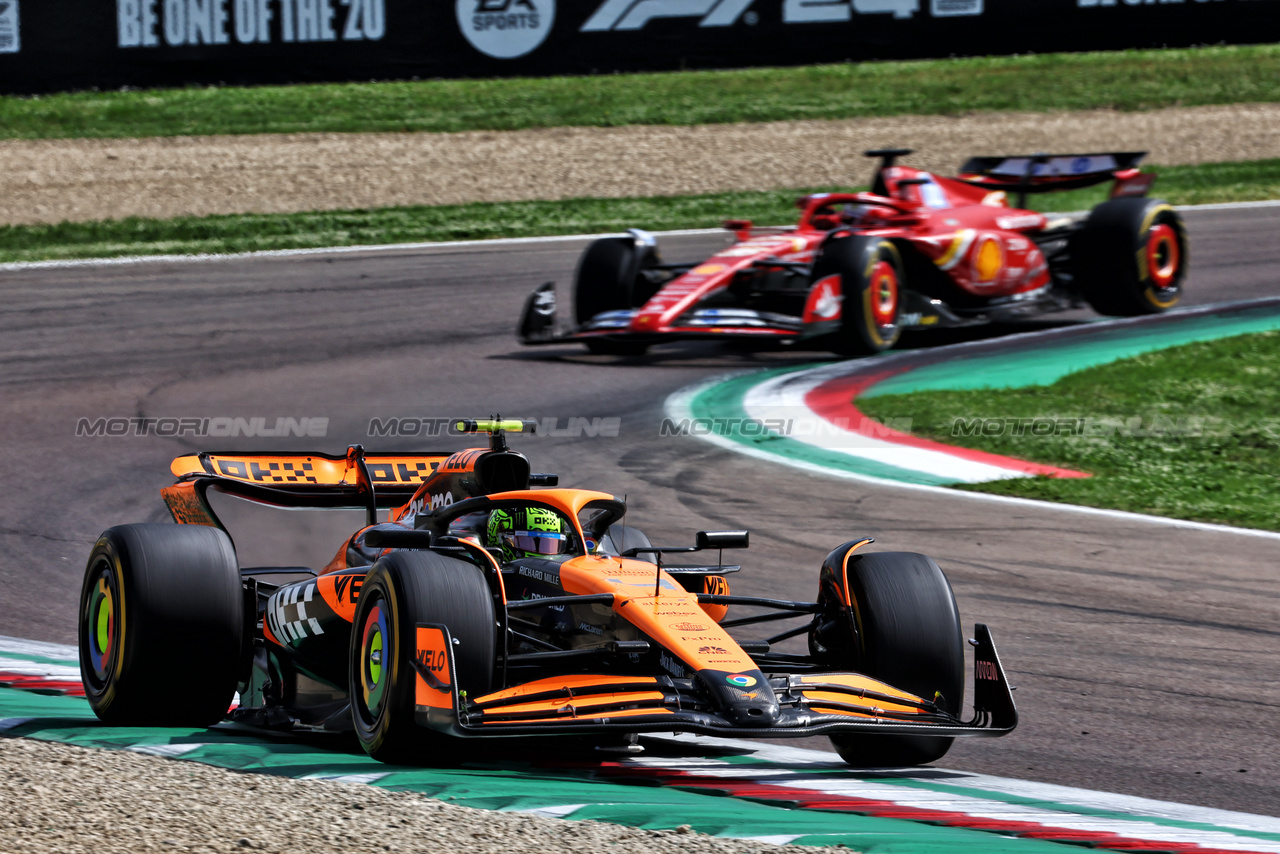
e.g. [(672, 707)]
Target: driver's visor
[(536, 542)]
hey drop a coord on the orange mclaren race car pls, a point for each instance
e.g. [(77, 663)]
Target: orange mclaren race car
[(917, 251), (492, 605)]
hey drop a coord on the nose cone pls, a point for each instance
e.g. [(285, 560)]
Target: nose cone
[(745, 698)]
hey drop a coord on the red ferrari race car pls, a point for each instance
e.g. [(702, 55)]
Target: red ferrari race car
[(492, 605), (917, 251)]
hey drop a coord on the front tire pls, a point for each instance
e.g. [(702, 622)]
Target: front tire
[(871, 284), (1130, 257), (162, 619), (611, 277), (400, 591), (901, 627)]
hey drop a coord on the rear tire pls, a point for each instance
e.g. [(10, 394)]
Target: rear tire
[(904, 629), (162, 625), (400, 591), (1130, 257), (871, 284)]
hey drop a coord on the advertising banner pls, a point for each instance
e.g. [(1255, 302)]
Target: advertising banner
[(51, 45)]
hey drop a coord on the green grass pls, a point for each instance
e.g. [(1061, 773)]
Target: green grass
[(481, 220), (1134, 80), (476, 221), (1224, 471)]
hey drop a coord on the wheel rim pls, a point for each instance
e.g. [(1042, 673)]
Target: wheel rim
[(884, 294), (373, 661), (102, 622), (1163, 256)]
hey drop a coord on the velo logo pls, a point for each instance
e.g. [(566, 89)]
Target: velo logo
[(506, 29)]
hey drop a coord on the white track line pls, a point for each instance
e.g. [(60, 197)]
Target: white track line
[(449, 244), (56, 651), (801, 762), (333, 250), (22, 667)]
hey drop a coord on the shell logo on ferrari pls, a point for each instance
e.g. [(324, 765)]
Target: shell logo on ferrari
[(709, 269), (988, 259)]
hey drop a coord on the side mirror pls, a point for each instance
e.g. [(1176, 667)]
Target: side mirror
[(722, 539)]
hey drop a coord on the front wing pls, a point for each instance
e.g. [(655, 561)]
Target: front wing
[(812, 703), (538, 323)]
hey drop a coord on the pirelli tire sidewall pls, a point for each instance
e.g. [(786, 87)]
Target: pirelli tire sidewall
[(1130, 257), (872, 287), (161, 625), (403, 589)]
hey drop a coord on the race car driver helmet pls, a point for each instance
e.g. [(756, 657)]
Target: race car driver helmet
[(527, 532)]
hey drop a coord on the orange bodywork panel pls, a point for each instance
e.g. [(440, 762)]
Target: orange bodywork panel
[(567, 684), (187, 506), (577, 704), (432, 652), (589, 715), (672, 617), (846, 599), (715, 585), (848, 713), (340, 593), (849, 689), (872, 709), (856, 682)]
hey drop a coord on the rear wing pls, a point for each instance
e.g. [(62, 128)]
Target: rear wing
[(1045, 173), (355, 480)]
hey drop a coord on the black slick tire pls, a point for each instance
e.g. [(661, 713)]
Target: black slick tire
[(401, 590), (905, 632), (161, 625), (609, 279), (1130, 256)]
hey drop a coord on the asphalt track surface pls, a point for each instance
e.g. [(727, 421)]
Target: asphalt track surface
[(1147, 658)]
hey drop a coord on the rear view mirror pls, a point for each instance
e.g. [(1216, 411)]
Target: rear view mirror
[(722, 539)]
